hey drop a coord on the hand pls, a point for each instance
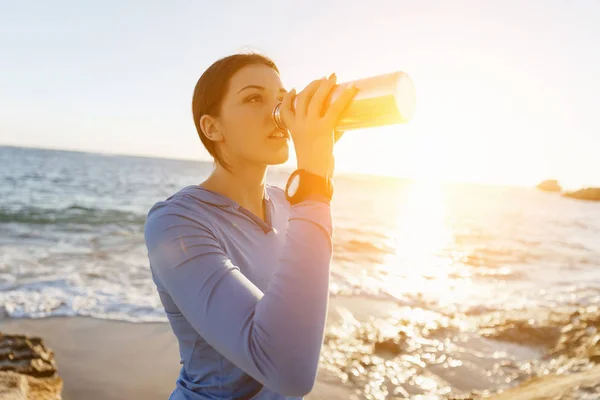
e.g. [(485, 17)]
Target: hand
[(313, 122)]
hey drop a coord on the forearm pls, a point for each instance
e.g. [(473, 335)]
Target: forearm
[(294, 307)]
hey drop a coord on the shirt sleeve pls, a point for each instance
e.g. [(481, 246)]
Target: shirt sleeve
[(275, 336)]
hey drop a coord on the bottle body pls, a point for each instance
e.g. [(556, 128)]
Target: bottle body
[(381, 100)]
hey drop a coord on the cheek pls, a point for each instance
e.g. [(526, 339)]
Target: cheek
[(247, 123), (246, 129)]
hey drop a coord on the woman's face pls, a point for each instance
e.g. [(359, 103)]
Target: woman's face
[(246, 122)]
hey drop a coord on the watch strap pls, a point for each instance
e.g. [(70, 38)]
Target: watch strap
[(322, 187), (318, 197)]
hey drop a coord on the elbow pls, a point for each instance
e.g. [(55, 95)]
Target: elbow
[(296, 382)]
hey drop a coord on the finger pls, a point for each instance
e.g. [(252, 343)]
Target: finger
[(287, 107), (305, 96), (339, 106), (318, 101)]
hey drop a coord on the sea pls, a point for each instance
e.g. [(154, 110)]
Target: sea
[(484, 286)]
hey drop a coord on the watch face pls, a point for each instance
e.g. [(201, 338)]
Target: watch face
[(294, 184)]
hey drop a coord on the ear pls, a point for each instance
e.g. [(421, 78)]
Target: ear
[(211, 128)]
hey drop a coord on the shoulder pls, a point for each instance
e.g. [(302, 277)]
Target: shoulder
[(177, 210), (177, 203)]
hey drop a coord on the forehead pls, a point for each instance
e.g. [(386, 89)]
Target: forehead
[(256, 74)]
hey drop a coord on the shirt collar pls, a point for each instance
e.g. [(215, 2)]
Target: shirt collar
[(217, 199)]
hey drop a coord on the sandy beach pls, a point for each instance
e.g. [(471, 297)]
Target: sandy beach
[(107, 359), (114, 360)]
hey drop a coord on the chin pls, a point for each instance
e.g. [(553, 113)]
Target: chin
[(267, 155), (276, 158)]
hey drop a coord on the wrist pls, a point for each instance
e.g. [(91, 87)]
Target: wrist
[(321, 168), (306, 185), (322, 172)]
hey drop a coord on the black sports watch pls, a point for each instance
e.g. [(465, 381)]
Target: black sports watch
[(303, 185)]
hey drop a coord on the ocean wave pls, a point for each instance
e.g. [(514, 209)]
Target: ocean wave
[(69, 297), (74, 214)]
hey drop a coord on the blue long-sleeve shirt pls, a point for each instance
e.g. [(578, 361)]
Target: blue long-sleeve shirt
[(247, 299)]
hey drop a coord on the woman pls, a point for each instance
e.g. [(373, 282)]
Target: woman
[(241, 267)]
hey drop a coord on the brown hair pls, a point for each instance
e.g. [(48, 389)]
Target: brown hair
[(211, 88)]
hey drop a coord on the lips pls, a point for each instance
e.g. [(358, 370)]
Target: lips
[(277, 134)]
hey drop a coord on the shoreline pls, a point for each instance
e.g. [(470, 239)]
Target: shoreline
[(101, 359), (115, 360)]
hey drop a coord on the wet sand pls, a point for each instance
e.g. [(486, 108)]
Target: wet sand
[(113, 360)]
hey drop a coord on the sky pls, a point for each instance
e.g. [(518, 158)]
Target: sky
[(508, 92)]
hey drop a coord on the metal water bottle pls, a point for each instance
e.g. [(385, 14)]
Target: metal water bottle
[(381, 100)]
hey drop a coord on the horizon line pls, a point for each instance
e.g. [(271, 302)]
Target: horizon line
[(281, 166)]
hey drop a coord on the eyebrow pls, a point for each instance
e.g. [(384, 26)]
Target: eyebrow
[(259, 88)]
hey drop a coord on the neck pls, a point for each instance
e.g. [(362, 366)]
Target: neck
[(245, 186)]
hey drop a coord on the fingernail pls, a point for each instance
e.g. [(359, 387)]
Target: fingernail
[(332, 76)]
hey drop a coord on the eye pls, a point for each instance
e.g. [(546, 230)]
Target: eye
[(255, 98)]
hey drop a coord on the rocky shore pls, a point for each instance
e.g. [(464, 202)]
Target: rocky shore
[(96, 368), (588, 193), (585, 194), (550, 186), (577, 386), (27, 369), (570, 367)]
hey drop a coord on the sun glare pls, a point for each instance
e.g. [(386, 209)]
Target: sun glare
[(422, 264), (441, 144)]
